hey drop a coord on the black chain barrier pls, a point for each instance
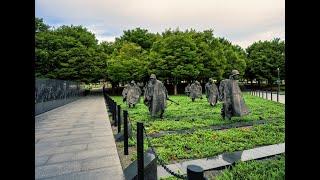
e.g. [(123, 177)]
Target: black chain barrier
[(161, 162)]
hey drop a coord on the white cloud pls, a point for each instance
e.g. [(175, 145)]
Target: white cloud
[(238, 21), (106, 38)]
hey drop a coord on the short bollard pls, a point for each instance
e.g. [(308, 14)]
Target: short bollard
[(271, 94), (140, 151), (119, 119), (125, 132), (115, 114), (195, 172)]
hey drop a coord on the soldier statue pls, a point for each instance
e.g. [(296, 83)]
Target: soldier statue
[(230, 94), (131, 94), (155, 96), (187, 89), (212, 92), (195, 91)]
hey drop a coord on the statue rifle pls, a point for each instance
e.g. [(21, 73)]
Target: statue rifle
[(173, 101)]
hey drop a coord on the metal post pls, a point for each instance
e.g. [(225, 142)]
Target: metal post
[(112, 110), (125, 133), (278, 85), (115, 114), (140, 151), (119, 119), (194, 172)]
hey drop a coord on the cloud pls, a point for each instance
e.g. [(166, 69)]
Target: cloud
[(264, 35), (238, 21)]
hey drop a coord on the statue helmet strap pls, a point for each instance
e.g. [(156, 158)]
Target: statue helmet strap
[(152, 76), (234, 72)]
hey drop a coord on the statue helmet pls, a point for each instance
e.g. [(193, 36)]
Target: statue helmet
[(153, 76), (132, 82), (234, 72), (210, 79)]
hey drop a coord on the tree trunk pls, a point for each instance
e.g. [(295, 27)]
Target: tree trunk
[(175, 89), (113, 88)]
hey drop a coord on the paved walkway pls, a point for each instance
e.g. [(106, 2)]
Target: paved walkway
[(224, 159), (75, 141), (263, 94)]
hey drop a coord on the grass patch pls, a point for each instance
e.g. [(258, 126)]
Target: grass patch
[(207, 143), (266, 169), (263, 169), (199, 114)]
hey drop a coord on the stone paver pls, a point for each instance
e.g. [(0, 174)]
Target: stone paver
[(224, 159), (75, 141)]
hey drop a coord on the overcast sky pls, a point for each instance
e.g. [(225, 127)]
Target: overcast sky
[(240, 21)]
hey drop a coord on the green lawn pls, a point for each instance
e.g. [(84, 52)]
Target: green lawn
[(263, 169), (199, 113), (207, 143), (266, 169)]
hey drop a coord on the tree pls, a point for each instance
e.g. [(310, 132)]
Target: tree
[(235, 57), (40, 26), (73, 53), (174, 58), (68, 52), (209, 52), (264, 57), (129, 63), (139, 36)]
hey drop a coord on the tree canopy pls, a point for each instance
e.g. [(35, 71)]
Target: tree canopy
[(73, 53), (264, 57), (68, 52)]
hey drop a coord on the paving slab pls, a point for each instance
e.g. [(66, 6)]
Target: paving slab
[(75, 141)]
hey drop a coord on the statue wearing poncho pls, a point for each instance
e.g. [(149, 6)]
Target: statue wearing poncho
[(230, 94), (195, 91), (187, 89), (155, 97), (212, 92), (131, 94)]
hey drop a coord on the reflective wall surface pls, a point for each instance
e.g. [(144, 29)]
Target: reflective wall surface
[(52, 93)]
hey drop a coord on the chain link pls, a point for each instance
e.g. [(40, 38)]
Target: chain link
[(161, 162)]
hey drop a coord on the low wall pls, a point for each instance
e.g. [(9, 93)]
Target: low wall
[(52, 93)]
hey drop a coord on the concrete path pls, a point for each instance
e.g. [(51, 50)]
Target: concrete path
[(267, 95), (224, 159), (75, 141)]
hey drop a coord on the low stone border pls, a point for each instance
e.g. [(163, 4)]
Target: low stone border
[(216, 127)]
